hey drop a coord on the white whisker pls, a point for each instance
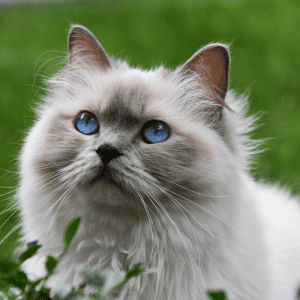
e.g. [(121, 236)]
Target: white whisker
[(18, 225), (9, 207), (7, 219), (7, 187), (184, 199), (62, 198), (13, 191), (191, 261), (9, 171), (150, 223), (201, 194), (197, 221)]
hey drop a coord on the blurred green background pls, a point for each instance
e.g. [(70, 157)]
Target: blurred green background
[(265, 62)]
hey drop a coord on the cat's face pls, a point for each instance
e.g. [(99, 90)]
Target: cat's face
[(119, 134)]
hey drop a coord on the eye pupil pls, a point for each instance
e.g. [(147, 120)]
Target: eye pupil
[(87, 123), (155, 132)]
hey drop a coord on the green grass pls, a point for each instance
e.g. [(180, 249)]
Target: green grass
[(265, 43)]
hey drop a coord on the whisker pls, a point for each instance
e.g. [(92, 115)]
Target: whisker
[(9, 207), (191, 226), (151, 225), (49, 166), (224, 222), (205, 209), (140, 231), (8, 192), (38, 59), (38, 88), (64, 196), (211, 196), (7, 187), (7, 219), (199, 222), (150, 220), (47, 177), (9, 171), (18, 225), (43, 201), (191, 260), (48, 60)]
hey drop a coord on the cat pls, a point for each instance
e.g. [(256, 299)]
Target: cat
[(156, 162)]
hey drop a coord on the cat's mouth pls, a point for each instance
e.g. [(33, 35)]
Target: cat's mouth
[(105, 174)]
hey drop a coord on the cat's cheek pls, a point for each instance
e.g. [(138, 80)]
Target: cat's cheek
[(169, 163), (196, 138)]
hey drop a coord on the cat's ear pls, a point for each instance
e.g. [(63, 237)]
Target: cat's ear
[(211, 65), (82, 45)]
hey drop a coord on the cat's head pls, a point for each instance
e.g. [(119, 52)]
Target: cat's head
[(118, 133)]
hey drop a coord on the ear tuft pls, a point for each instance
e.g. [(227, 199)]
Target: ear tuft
[(83, 45)]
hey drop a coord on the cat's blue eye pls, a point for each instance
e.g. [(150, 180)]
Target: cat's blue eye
[(155, 132), (87, 123)]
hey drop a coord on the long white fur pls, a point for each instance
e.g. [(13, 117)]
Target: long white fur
[(193, 215)]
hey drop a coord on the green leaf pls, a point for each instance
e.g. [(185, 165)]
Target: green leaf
[(44, 294), (82, 287), (13, 281), (35, 283), (8, 274), (32, 290), (70, 232), (21, 279), (217, 295), (32, 243), (7, 267), (32, 250), (115, 281), (136, 270), (18, 251), (50, 264), (4, 285)]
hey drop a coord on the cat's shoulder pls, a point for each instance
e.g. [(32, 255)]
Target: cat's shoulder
[(279, 214), (275, 205)]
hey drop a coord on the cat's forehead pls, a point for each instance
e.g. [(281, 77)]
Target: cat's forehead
[(131, 96), (128, 96), (125, 106)]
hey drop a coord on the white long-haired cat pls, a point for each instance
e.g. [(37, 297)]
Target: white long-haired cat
[(156, 163)]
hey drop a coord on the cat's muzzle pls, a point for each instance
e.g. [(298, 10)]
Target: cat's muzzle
[(105, 174)]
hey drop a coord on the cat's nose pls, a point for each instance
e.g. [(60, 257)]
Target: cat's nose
[(107, 153)]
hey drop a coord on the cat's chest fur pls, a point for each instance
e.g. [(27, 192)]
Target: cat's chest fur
[(246, 255), (188, 253), (156, 164)]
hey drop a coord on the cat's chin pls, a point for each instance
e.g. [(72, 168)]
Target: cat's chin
[(106, 191), (109, 186), (105, 175)]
